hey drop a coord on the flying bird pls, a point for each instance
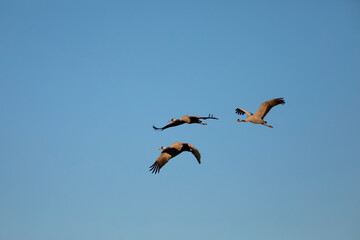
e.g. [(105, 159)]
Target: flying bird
[(258, 117), (185, 119), (172, 151)]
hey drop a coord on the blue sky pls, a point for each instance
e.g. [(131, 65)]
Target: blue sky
[(82, 83)]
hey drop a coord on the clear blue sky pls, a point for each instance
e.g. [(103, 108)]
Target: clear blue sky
[(82, 83)]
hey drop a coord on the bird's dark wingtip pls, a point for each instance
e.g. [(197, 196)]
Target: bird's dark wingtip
[(238, 111), (157, 129), (281, 100), (154, 168)]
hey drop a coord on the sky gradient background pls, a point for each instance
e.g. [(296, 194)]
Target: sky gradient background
[(82, 83)]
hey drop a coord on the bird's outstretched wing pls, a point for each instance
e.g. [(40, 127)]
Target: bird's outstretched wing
[(160, 162), (211, 116), (266, 106), (241, 111), (195, 152), (173, 124)]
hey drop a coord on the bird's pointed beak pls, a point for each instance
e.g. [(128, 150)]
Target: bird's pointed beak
[(239, 120)]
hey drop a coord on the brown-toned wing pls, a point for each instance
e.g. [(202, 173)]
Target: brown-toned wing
[(173, 124), (266, 106), (195, 152), (160, 162), (241, 111)]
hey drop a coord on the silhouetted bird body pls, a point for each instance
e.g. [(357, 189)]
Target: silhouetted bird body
[(172, 151), (258, 117), (185, 119)]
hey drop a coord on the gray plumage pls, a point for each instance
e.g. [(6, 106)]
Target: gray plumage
[(185, 119), (258, 117), (172, 151)]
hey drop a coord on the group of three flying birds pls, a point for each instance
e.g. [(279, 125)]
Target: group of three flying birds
[(178, 147)]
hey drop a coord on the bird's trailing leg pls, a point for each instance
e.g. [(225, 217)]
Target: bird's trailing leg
[(268, 125), (211, 116)]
